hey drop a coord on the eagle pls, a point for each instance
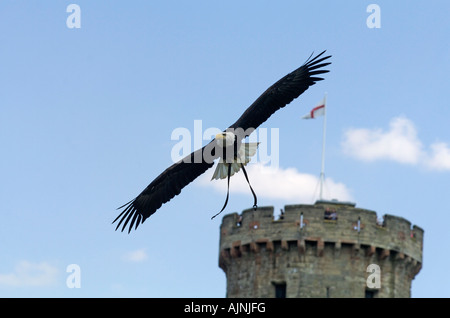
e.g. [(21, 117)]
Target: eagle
[(228, 146)]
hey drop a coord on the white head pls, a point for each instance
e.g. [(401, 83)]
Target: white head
[(225, 139)]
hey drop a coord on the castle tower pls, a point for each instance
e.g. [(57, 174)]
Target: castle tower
[(329, 249)]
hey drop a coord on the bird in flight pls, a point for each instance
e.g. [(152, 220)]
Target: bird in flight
[(233, 154)]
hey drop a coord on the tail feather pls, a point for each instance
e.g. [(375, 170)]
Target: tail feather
[(246, 151)]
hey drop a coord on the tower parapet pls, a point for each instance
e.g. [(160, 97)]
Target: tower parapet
[(320, 250)]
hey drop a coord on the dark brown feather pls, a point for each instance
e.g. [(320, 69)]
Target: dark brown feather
[(166, 186), (281, 93), (170, 183)]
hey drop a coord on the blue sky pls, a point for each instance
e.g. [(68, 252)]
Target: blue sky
[(86, 117)]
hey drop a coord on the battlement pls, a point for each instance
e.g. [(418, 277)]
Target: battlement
[(329, 223)]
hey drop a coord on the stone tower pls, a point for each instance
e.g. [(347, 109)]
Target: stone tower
[(329, 249)]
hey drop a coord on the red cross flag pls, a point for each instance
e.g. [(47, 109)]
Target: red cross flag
[(318, 110)]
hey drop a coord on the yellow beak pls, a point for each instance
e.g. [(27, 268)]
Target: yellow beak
[(220, 136)]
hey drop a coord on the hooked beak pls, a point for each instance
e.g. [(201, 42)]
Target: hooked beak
[(220, 136)]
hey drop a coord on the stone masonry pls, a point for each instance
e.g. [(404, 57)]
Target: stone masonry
[(320, 250)]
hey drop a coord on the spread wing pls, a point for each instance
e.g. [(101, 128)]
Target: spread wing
[(169, 183), (282, 93), (166, 186)]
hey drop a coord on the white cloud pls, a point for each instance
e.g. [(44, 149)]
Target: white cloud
[(439, 159), (136, 256), (277, 183), (399, 143), (27, 274)]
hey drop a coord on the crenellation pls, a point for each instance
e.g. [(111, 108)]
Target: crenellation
[(328, 238)]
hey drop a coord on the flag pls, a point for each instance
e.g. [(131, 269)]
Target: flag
[(318, 110)]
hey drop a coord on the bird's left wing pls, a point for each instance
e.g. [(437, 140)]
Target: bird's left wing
[(281, 93), (166, 186)]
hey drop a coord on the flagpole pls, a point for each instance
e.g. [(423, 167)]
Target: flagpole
[(322, 170)]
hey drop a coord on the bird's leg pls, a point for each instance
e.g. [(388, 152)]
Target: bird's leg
[(228, 191), (255, 205)]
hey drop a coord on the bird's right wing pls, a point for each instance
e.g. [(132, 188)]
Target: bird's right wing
[(166, 186)]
